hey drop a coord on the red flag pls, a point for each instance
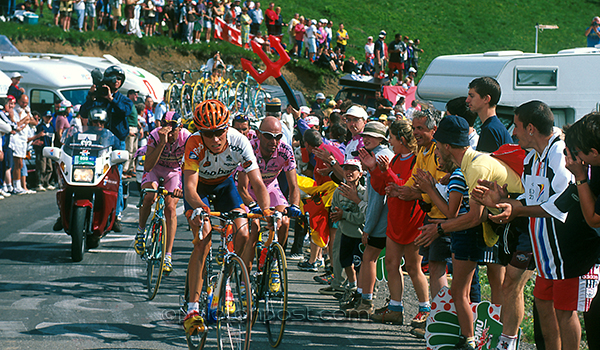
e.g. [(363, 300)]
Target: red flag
[(227, 32), (393, 93)]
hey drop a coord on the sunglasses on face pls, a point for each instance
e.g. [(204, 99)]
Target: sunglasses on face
[(241, 118), (173, 125), (213, 133), (270, 136)]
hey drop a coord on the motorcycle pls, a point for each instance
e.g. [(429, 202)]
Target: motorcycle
[(89, 185)]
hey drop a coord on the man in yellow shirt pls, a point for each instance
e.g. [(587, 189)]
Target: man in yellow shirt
[(342, 38)]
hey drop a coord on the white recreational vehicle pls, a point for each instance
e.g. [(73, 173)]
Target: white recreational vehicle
[(566, 81), (4, 84), (48, 81)]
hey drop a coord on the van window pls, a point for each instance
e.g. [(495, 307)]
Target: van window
[(42, 101), (75, 96), (527, 77)]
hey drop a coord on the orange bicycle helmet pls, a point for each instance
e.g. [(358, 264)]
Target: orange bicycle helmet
[(211, 115)]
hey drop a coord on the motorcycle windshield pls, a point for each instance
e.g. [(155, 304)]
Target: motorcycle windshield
[(88, 145)]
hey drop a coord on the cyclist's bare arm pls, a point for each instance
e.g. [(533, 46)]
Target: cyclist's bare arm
[(262, 196), (293, 185), (243, 188), (153, 153)]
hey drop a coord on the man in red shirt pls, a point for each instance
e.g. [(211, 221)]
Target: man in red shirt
[(271, 17)]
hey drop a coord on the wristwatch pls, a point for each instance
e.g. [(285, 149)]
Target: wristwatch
[(333, 162), (577, 183), (440, 230)]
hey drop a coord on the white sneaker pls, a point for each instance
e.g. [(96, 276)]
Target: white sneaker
[(30, 192), (4, 193), (18, 191), (50, 188), (40, 188), (1, 196)]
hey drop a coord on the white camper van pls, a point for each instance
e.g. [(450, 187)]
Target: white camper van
[(4, 84), (48, 81), (566, 81)]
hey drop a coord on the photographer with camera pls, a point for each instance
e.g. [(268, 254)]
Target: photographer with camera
[(104, 94), (593, 32)]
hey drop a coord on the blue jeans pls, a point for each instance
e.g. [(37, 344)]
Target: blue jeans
[(80, 19), (120, 203)]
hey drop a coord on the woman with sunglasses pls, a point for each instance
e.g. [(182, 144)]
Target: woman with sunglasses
[(163, 159), (211, 156)]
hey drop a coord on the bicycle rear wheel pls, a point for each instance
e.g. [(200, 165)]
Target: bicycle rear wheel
[(174, 94), (156, 245), (275, 287), (234, 308)]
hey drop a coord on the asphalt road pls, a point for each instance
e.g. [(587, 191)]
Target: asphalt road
[(49, 302)]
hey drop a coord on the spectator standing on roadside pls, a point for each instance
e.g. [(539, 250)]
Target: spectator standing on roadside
[(270, 19), (44, 134), (6, 165), (14, 89), (18, 141), (329, 31), (396, 53), (370, 51), (311, 37), (115, 10), (592, 32), (131, 141), (292, 35), (79, 8), (89, 15), (458, 106), (379, 52), (149, 17), (417, 51), (257, 17), (299, 31), (245, 22), (342, 38), (66, 8)]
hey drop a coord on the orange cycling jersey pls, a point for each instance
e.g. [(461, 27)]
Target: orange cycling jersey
[(215, 168)]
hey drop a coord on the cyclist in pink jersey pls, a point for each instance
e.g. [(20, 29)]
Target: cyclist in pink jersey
[(165, 150), (273, 156)]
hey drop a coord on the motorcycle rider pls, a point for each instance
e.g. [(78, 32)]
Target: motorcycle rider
[(117, 107), (166, 145)]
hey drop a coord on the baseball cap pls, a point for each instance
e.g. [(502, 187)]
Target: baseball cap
[(320, 96), (312, 121), (382, 33), (48, 113), (16, 75), (313, 21), (369, 37), (355, 162), (358, 112), (65, 104), (304, 109), (453, 130), (132, 91)]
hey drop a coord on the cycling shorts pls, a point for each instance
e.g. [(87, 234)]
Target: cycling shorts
[(571, 294), (172, 177), (226, 196), (275, 195)]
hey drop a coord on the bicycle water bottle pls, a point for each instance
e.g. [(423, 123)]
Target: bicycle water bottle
[(274, 278), (212, 310), (229, 304), (220, 255), (261, 260)]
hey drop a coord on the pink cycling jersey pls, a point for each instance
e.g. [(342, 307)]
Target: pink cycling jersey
[(172, 155), (282, 159)]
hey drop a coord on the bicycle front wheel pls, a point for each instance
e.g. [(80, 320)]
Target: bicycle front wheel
[(156, 245), (275, 289), (234, 308)]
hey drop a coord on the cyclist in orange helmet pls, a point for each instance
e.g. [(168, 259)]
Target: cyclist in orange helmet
[(211, 156)]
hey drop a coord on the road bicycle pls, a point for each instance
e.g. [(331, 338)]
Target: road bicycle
[(179, 94), (226, 297), (270, 287), (155, 239)]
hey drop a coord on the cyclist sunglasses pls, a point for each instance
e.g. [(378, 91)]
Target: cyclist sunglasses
[(174, 125), (213, 133), (270, 136), (241, 117)]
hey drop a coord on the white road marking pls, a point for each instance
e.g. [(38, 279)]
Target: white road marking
[(27, 303)]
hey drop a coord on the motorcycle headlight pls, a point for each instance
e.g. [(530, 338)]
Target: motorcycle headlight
[(83, 175)]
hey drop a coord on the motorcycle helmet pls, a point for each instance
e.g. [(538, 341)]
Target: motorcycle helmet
[(211, 115), (115, 71), (98, 115)]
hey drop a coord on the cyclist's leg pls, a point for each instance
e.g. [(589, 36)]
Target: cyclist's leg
[(282, 231), (148, 181), (172, 182), (229, 199), (248, 254)]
